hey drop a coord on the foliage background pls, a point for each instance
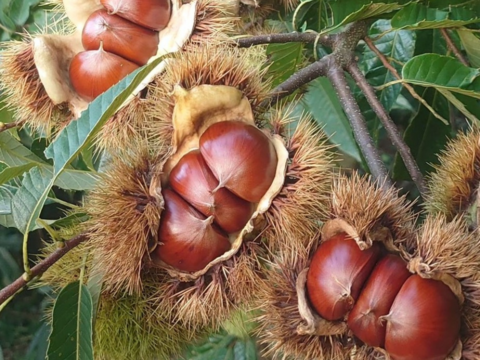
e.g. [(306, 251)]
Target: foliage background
[(400, 33)]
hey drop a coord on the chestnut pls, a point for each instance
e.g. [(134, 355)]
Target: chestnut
[(94, 72), (152, 14), (337, 272), (376, 298), (194, 181), (188, 241), (119, 36), (424, 321), (241, 157)]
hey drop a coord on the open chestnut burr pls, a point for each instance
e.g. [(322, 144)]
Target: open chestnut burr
[(375, 285), (213, 191), (122, 34), (412, 318)]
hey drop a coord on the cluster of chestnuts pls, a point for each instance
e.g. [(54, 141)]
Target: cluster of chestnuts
[(118, 39), (384, 305), (212, 193)]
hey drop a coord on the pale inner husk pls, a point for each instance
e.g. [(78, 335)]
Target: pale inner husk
[(314, 324), (53, 53), (192, 115), (379, 233)]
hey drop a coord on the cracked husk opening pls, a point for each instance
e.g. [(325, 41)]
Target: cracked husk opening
[(192, 115)]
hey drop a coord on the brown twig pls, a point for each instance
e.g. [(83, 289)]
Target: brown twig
[(41, 267), (389, 126), (299, 79), (359, 127), (307, 37), (11, 125), (451, 45)]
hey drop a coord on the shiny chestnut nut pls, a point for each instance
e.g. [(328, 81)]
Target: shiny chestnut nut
[(188, 241), (94, 72), (241, 157), (376, 299), (424, 321), (120, 37), (194, 181), (337, 273), (152, 14)]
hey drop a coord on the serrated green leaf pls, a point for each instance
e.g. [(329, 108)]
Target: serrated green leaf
[(347, 11), (28, 200), (321, 101), (417, 16), (284, 60), (70, 220), (6, 218), (14, 154), (425, 136), (77, 135), (71, 336), (20, 10), (14, 172), (433, 70), (472, 46)]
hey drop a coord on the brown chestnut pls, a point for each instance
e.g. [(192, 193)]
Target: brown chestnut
[(193, 180), (424, 321), (337, 272), (241, 157), (376, 298), (152, 14), (188, 240), (94, 72), (119, 36)]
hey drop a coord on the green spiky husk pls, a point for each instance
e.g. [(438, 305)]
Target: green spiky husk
[(454, 184), (125, 326)]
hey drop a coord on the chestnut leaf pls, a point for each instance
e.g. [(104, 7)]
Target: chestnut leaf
[(71, 336)]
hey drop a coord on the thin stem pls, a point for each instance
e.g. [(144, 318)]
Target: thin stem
[(359, 126), (389, 126), (394, 72), (10, 290), (451, 45), (300, 78), (11, 125), (307, 37)]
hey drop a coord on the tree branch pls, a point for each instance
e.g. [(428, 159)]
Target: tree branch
[(297, 80), (389, 126), (11, 125), (451, 45), (359, 127), (41, 267), (307, 37)]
